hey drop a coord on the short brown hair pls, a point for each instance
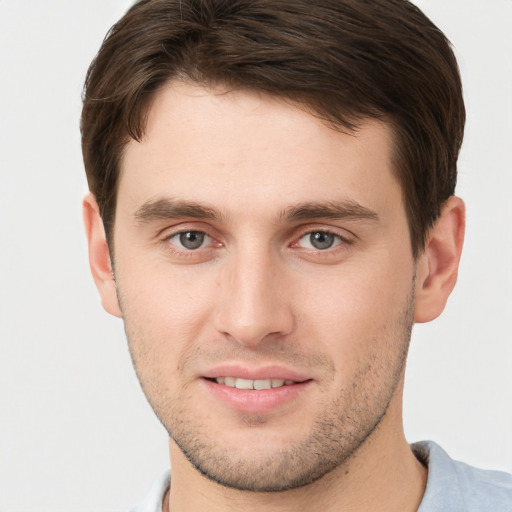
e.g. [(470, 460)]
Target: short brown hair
[(343, 60)]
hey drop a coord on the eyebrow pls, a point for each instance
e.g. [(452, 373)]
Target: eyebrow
[(163, 209), (334, 210), (167, 208)]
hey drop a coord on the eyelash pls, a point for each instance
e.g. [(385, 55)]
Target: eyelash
[(184, 251), (187, 252), (339, 239)]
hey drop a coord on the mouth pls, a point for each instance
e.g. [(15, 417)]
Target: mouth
[(256, 384), (263, 393)]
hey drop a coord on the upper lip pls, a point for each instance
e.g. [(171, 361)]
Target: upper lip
[(251, 373)]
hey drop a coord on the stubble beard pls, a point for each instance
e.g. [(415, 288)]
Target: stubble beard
[(346, 424)]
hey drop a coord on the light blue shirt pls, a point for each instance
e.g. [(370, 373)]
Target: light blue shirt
[(452, 486)]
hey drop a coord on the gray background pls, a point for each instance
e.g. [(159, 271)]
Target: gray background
[(75, 431)]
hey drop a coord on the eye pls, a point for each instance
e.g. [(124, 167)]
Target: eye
[(190, 240), (319, 240)]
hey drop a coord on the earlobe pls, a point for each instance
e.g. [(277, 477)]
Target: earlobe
[(99, 256), (437, 267)]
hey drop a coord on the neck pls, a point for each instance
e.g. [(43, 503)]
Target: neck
[(383, 475)]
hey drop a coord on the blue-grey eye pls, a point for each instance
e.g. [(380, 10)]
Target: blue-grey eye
[(191, 239), (319, 240)]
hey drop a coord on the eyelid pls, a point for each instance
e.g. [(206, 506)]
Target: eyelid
[(343, 234), (211, 242), (305, 242), (206, 241), (184, 227)]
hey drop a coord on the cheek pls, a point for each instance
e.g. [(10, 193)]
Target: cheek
[(354, 310), (164, 314)]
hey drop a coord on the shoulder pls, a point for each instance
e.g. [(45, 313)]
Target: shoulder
[(456, 486)]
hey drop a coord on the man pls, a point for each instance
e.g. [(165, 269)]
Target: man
[(272, 208)]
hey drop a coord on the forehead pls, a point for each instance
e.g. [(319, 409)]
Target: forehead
[(228, 148)]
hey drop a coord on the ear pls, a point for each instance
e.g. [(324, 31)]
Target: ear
[(437, 267), (99, 256)]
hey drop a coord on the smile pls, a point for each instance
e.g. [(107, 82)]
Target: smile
[(258, 384), (268, 390)]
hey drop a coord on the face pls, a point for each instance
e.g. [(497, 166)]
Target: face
[(265, 277)]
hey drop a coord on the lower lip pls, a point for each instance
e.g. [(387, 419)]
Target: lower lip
[(256, 401)]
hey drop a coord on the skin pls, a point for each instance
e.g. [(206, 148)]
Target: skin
[(258, 176)]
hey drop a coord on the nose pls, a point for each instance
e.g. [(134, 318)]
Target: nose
[(254, 303)]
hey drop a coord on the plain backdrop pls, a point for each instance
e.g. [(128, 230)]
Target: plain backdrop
[(76, 433)]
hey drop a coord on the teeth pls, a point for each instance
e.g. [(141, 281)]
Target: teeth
[(262, 384), (230, 381), (234, 382), (244, 384)]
